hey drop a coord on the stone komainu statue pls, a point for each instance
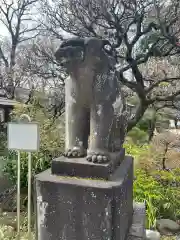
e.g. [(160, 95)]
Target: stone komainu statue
[(95, 107)]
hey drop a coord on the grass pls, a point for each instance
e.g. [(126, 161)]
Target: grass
[(8, 233), (8, 227), (168, 237)]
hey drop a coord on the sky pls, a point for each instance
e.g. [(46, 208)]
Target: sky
[(33, 12), (3, 30)]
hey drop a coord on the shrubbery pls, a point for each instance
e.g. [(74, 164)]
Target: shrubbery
[(136, 151), (147, 190), (162, 198), (159, 189), (138, 136), (51, 142)]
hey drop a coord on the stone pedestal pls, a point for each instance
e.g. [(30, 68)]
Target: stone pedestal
[(80, 167), (73, 208)]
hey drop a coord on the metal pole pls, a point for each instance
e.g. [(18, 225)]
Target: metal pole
[(29, 195), (18, 194), (25, 116)]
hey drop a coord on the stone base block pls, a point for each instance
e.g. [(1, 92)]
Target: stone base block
[(80, 167), (137, 230), (70, 208)]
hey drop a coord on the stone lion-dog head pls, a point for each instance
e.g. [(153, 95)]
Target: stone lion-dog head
[(78, 52)]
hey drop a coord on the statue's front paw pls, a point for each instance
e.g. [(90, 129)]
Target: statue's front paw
[(75, 152), (97, 158)]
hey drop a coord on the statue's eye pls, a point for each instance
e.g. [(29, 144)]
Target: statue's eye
[(107, 47)]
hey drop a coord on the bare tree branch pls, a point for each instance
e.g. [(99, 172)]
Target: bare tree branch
[(12, 15)]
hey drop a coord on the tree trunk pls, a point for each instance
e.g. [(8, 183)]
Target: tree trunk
[(140, 110), (151, 126), (164, 158), (176, 123)]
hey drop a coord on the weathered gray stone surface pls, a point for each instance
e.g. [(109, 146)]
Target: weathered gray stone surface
[(167, 226), (74, 209), (137, 229), (79, 167), (94, 102)]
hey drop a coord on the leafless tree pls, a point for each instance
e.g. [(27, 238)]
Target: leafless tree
[(43, 72), (128, 25), (38, 60), (17, 19), (163, 142)]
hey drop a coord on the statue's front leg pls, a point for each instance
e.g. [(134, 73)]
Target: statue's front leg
[(76, 121), (100, 127)]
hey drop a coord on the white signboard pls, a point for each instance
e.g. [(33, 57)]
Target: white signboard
[(23, 137)]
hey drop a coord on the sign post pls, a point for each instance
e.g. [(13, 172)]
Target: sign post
[(18, 192), (29, 195), (23, 136)]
